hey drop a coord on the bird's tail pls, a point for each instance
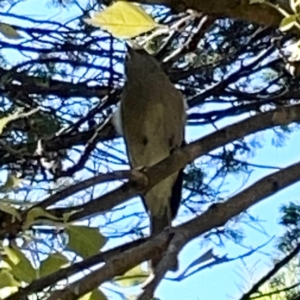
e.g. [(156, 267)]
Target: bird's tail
[(158, 224)]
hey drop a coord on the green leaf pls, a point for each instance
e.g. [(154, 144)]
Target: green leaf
[(21, 267), (287, 23), (11, 182), (7, 279), (8, 291), (294, 5), (135, 276), (52, 264), (94, 295), (123, 20), (9, 32), (84, 240), (66, 216), (35, 214), (10, 210), (5, 120)]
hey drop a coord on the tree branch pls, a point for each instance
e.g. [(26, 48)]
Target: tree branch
[(40, 284), (237, 9), (271, 273), (217, 215), (180, 158)]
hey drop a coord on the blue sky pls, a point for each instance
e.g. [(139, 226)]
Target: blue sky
[(229, 280), (223, 282)]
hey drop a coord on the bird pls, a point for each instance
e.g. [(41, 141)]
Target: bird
[(151, 117)]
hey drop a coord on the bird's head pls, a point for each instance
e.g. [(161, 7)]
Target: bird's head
[(140, 63)]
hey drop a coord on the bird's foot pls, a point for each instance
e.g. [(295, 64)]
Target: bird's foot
[(140, 168), (169, 230), (138, 176)]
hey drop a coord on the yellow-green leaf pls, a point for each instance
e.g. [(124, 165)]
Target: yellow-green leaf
[(9, 32), (7, 279), (66, 216), (94, 295), (294, 5), (11, 181), (5, 120), (35, 214), (52, 264), (85, 241), (287, 23), (123, 20), (133, 277), (256, 1), (7, 291), (10, 210), (21, 267)]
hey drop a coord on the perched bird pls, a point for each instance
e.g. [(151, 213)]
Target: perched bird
[(151, 117)]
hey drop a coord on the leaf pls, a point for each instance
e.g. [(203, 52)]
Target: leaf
[(133, 277), (94, 295), (84, 240), (7, 291), (52, 263), (7, 279), (287, 23), (5, 120), (10, 210), (294, 5), (256, 1), (35, 214), (11, 182), (66, 216), (9, 32), (21, 267), (123, 20)]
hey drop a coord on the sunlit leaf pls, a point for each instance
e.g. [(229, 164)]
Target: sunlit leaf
[(10, 210), (287, 23), (84, 240), (36, 213), (133, 277), (94, 295), (9, 32), (11, 182), (66, 216), (21, 267), (294, 5), (256, 1), (7, 291), (7, 279), (52, 264), (123, 20), (5, 120)]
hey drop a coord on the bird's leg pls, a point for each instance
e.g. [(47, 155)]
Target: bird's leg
[(169, 227), (139, 177), (140, 168)]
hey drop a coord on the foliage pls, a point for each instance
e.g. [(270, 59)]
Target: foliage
[(123, 20), (61, 79)]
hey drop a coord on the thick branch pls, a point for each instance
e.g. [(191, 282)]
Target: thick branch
[(216, 215), (237, 9), (170, 165), (180, 158), (42, 283)]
